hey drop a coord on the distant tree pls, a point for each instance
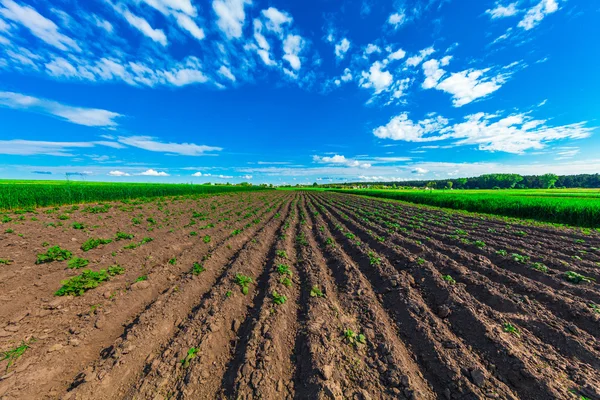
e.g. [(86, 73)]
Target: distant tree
[(462, 182), (315, 184), (431, 184), (548, 180), (449, 185)]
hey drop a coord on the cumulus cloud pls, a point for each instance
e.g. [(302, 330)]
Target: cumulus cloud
[(501, 11), (231, 16), (151, 172), (77, 115), (536, 14), (226, 72), (418, 58), (118, 173), (342, 48), (38, 25), (143, 26), (152, 144), (275, 20), (376, 78), (341, 161), (197, 173), (515, 133), (292, 46), (419, 171), (397, 55), (396, 19)]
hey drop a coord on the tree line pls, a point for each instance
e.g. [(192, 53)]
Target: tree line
[(495, 181)]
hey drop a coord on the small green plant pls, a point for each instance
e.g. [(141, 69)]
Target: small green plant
[(316, 292), (449, 279), (9, 230), (94, 243), (286, 281), (350, 235), (281, 253), (78, 285), (374, 259), (479, 243), (193, 233), (421, 261), (146, 240), (191, 354), (595, 308), (283, 269), (54, 253), (510, 328), (63, 217), (123, 236), (76, 263), (142, 278), (136, 221), (538, 266), (13, 355), (503, 253), (575, 277), (353, 338), (206, 239), (5, 261), (45, 244), (243, 281), (197, 268), (173, 261), (278, 299), (229, 293), (521, 233), (461, 232), (520, 258), (579, 241), (77, 225)]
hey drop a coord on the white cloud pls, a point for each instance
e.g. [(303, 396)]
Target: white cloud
[(292, 46), (396, 19), (102, 23), (501, 11), (340, 160), (170, 6), (35, 147), (231, 16), (433, 73), (143, 26), (276, 20), (565, 153), (190, 25), (467, 86), (515, 133), (347, 77), (372, 48), (197, 173), (38, 25), (397, 55), (118, 173), (224, 176), (226, 72), (77, 115), (536, 14), (151, 144), (151, 172), (417, 59), (247, 177), (376, 78), (342, 48), (420, 171)]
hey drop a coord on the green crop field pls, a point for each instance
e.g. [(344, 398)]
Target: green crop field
[(577, 207), (29, 194)]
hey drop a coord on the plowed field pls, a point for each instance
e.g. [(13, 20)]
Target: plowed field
[(305, 295)]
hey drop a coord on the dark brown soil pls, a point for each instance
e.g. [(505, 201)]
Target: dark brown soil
[(416, 303)]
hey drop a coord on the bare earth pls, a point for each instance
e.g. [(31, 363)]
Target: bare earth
[(379, 265)]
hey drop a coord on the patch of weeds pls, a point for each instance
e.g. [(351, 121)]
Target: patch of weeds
[(243, 281), (13, 355), (93, 243), (77, 262), (449, 279), (229, 293), (503, 253), (330, 242), (123, 236), (142, 278), (574, 277), (510, 328), (278, 299), (353, 338), (54, 253), (77, 225), (9, 230), (521, 233), (316, 292), (206, 239), (5, 261), (191, 354), (197, 268), (116, 269), (136, 221), (595, 308), (283, 269), (236, 232), (63, 217), (78, 285), (193, 233), (173, 261), (146, 240)]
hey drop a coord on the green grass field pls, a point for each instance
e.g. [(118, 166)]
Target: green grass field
[(576, 207), (30, 194)]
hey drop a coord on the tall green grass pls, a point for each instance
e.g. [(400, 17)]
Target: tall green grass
[(40, 194), (575, 211)]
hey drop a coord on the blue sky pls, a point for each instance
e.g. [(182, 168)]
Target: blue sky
[(297, 91)]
